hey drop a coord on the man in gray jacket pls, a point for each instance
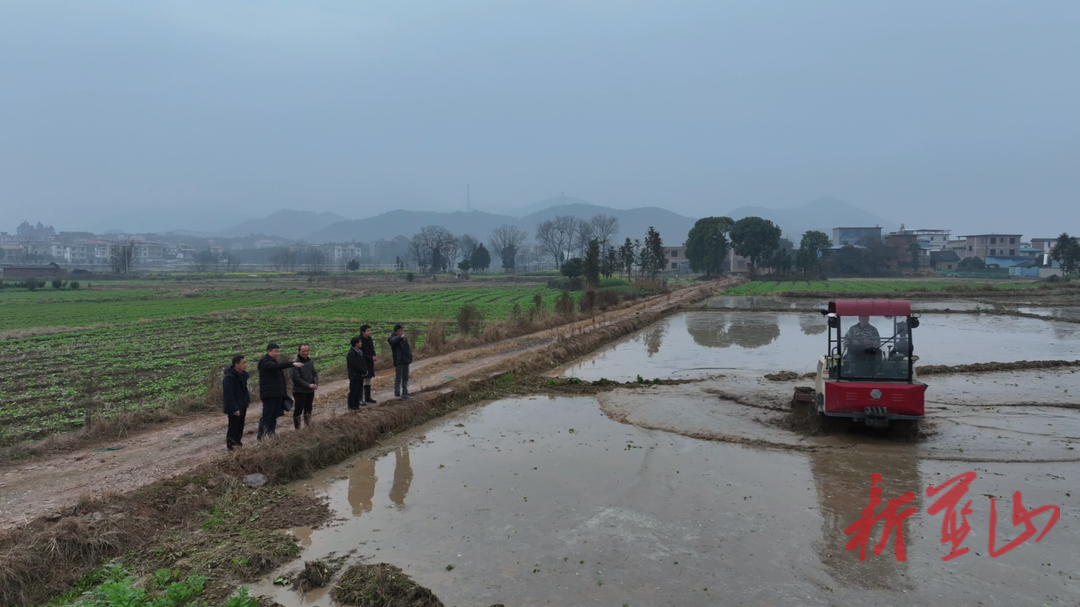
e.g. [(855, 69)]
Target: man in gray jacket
[(305, 381), (399, 345)]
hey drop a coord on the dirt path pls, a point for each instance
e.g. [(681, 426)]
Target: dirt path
[(51, 482)]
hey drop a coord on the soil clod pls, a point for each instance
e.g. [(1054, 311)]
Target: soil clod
[(381, 585)]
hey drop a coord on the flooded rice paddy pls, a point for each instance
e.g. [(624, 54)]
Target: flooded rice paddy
[(702, 493), (700, 343)]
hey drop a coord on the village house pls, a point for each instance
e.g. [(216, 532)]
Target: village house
[(842, 237), (1046, 245), (944, 260), (676, 258), (992, 245), (344, 253)]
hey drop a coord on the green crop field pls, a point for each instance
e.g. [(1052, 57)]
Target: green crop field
[(71, 354), (65, 308), (856, 286)]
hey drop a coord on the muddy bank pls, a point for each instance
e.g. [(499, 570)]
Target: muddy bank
[(995, 367), (537, 501)]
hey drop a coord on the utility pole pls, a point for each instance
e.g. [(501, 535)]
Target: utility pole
[(468, 197)]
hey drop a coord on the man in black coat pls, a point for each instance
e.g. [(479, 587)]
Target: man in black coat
[(367, 348), (272, 388), (399, 345), (357, 367), (235, 400)]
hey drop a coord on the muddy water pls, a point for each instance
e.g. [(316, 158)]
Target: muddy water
[(700, 343), (542, 501), (1071, 313), (757, 302)]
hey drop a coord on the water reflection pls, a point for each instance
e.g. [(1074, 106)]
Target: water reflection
[(654, 338), (843, 491), (725, 330), (403, 475), (812, 325), (362, 486)]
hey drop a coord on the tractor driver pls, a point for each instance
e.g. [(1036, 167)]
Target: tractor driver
[(862, 341)]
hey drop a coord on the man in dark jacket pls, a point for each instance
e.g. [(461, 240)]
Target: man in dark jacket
[(367, 348), (399, 345), (354, 362), (305, 381), (235, 399), (272, 388)]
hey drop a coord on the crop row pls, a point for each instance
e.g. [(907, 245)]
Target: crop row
[(496, 303), (60, 309)]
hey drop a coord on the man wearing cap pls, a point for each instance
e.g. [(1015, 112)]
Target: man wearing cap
[(354, 362), (399, 345), (272, 388)]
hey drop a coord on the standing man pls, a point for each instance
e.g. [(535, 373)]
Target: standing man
[(399, 345), (272, 388), (235, 400), (305, 381), (354, 362), (367, 348)]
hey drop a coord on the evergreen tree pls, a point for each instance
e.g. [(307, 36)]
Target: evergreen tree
[(480, 259), (592, 263)]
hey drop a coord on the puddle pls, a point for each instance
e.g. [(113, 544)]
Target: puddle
[(541, 501), (702, 343), (1072, 313)]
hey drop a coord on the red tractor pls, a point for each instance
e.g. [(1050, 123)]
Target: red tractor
[(869, 374)]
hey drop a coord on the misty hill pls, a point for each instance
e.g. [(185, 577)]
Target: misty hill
[(536, 207), (407, 223), (179, 219), (633, 223), (822, 214), (285, 223)]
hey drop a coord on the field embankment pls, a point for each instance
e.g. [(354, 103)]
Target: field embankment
[(159, 524)]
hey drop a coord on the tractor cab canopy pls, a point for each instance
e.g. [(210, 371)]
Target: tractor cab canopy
[(870, 340)]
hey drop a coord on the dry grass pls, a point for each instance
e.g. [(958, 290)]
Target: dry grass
[(381, 585), (315, 574)]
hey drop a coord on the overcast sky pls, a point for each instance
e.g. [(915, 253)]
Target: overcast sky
[(963, 115)]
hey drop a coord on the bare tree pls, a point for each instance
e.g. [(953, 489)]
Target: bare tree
[(434, 248), (604, 227), (529, 257), (231, 259), (316, 260), (467, 243), (122, 257), (568, 224), (415, 252), (505, 236), (286, 260), (584, 233), (556, 237)]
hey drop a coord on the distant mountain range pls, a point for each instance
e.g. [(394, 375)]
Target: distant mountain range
[(822, 214), (633, 223), (292, 225)]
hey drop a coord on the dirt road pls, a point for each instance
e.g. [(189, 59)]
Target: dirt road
[(49, 483)]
